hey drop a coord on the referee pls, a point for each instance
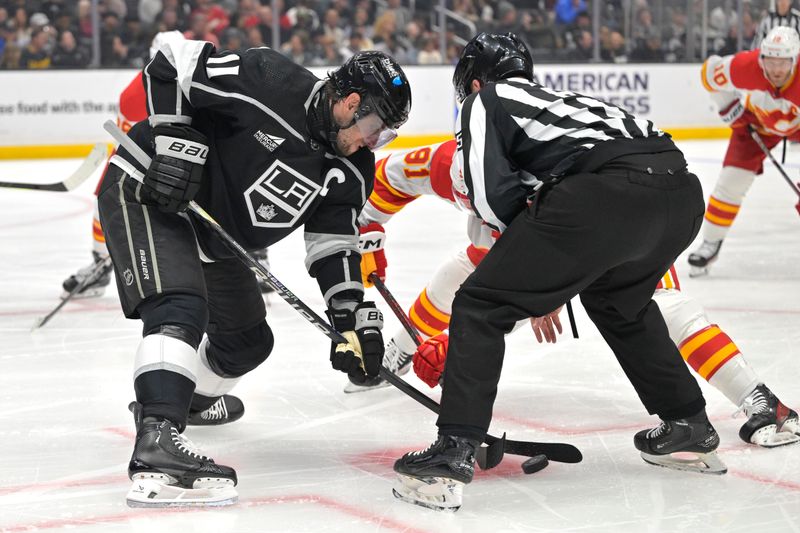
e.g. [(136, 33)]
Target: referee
[(591, 201)]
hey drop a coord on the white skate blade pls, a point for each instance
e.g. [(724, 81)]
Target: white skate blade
[(698, 272), (769, 437), (154, 492), (703, 463), (437, 493), (91, 292)]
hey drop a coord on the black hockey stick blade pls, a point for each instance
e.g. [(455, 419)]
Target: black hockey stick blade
[(560, 452), (81, 174), (492, 455)]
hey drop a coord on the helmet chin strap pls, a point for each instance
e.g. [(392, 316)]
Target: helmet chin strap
[(334, 127)]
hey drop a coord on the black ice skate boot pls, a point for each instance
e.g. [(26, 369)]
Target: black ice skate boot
[(226, 409), (168, 470), (435, 477), (702, 258), (95, 278), (693, 439), (394, 359), (769, 422)]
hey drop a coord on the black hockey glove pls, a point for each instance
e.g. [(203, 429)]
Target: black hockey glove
[(176, 172), (362, 355)]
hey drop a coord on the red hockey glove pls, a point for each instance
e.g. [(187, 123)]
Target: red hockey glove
[(371, 243), (429, 359)]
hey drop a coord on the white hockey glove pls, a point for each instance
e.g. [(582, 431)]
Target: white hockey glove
[(176, 172), (362, 355)]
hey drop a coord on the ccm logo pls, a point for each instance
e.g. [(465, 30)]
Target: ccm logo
[(192, 150)]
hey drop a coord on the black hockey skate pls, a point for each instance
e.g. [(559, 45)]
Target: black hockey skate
[(168, 471), (684, 444), (769, 422), (226, 409), (702, 258), (96, 276), (435, 477), (394, 359)]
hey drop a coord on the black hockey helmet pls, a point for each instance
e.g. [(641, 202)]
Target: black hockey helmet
[(490, 57), (381, 83)]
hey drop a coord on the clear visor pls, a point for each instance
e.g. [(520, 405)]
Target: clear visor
[(375, 132)]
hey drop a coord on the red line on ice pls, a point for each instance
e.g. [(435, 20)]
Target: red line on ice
[(257, 502)]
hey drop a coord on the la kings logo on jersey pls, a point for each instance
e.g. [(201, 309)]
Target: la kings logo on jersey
[(279, 197), (270, 142)]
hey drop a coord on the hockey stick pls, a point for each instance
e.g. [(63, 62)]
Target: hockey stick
[(572, 323), (81, 174), (569, 455), (99, 269), (760, 142), (563, 453)]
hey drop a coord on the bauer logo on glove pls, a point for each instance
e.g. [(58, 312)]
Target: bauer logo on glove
[(360, 357)]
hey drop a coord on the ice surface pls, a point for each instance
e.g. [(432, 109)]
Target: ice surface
[(311, 458)]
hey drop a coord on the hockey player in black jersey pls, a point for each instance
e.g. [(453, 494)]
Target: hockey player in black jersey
[(590, 201), (264, 147)]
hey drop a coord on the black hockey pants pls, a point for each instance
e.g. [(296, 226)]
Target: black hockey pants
[(608, 235)]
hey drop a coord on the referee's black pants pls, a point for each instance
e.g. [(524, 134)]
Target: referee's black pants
[(608, 235)]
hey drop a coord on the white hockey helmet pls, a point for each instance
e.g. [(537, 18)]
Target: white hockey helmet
[(781, 41), (162, 38)]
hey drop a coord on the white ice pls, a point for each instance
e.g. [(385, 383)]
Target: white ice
[(311, 458)]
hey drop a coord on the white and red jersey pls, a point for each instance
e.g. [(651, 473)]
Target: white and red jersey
[(406, 175), (740, 76), (132, 105)]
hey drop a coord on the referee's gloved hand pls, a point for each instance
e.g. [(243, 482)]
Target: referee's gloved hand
[(176, 172), (361, 356)]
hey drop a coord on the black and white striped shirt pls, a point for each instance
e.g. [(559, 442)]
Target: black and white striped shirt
[(515, 134), (773, 20)]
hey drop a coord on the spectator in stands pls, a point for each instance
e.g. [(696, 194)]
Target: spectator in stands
[(36, 55), (217, 19), (430, 53), (68, 54), (168, 21), (612, 49), (254, 38), (246, 14), (331, 29), (648, 49), (507, 18), (385, 37), (232, 39), (302, 17), (567, 10), (199, 29), (731, 45), (296, 48), (355, 43), (361, 24), (402, 15), (84, 34), (583, 52), (327, 53), (675, 36)]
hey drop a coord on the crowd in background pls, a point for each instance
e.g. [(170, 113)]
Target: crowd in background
[(59, 33)]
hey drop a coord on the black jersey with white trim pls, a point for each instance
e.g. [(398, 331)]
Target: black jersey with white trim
[(515, 134), (266, 175)]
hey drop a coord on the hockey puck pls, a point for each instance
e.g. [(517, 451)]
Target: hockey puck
[(534, 464)]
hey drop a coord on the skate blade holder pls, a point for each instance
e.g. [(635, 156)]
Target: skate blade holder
[(436, 493), (152, 491), (703, 463)]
